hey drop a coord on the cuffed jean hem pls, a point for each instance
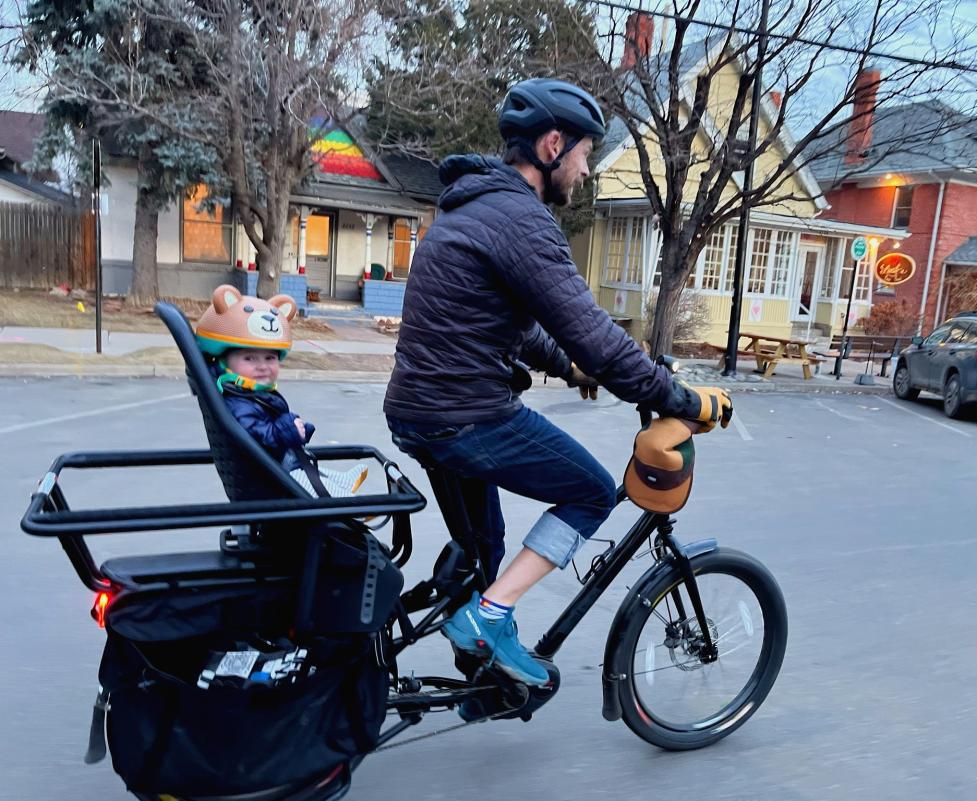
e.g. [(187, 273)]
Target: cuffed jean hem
[(553, 539)]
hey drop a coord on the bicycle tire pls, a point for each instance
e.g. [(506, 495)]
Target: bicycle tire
[(658, 585)]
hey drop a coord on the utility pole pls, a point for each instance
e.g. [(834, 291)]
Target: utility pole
[(97, 212), (744, 224)]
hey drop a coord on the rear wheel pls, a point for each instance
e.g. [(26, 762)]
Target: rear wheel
[(902, 386), (674, 696), (953, 405)]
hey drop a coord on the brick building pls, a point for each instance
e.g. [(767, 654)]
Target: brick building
[(911, 167)]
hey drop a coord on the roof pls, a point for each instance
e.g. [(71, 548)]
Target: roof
[(417, 176), (375, 201), (617, 131), (908, 138), (19, 130), (42, 191), (965, 254)]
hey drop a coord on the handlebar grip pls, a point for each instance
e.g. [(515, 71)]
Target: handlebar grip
[(645, 415)]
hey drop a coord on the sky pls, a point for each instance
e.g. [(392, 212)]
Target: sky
[(22, 92)]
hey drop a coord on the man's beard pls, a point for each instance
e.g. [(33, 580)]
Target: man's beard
[(560, 195)]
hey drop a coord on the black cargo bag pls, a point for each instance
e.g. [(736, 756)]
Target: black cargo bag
[(168, 735)]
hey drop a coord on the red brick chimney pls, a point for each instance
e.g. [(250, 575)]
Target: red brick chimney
[(863, 112), (638, 34)]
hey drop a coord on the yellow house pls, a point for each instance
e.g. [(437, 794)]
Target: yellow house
[(798, 267)]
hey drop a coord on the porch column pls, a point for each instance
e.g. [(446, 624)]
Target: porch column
[(391, 222), (370, 220), (413, 242), (303, 222)]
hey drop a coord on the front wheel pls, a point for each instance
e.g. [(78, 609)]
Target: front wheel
[(902, 385), (676, 697), (953, 398)]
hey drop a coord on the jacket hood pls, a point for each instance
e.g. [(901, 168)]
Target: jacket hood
[(468, 177)]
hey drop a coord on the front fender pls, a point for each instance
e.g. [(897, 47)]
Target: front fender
[(614, 672)]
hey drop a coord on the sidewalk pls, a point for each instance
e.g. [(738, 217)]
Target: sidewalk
[(121, 343), (359, 355)]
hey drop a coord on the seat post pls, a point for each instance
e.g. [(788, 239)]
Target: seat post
[(447, 486)]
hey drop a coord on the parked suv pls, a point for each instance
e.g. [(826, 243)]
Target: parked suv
[(945, 362)]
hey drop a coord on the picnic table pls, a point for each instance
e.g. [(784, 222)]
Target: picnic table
[(769, 351)]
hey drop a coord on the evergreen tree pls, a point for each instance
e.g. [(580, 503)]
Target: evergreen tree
[(97, 58), (449, 66)]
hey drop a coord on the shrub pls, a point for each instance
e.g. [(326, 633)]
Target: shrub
[(692, 320), (891, 318)]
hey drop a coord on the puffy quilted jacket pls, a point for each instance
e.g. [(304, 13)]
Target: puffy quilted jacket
[(491, 282)]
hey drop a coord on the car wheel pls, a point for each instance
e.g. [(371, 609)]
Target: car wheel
[(952, 398), (902, 386)]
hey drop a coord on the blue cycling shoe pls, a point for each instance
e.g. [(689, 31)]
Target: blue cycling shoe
[(496, 640)]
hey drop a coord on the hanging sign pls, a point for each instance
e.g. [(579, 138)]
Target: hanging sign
[(859, 247), (895, 268)]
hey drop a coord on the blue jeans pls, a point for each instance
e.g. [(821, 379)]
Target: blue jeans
[(527, 455)]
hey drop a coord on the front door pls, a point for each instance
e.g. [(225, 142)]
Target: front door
[(809, 274), (318, 252)]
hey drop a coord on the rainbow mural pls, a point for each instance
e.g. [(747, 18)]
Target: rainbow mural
[(336, 153)]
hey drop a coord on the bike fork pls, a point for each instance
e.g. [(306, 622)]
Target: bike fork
[(709, 651)]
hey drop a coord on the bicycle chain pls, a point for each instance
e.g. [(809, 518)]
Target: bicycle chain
[(438, 732)]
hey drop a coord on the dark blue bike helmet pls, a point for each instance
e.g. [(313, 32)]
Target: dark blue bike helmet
[(539, 105)]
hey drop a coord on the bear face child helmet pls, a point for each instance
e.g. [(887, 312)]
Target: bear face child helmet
[(235, 321)]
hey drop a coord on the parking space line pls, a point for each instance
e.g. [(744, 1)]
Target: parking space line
[(741, 428), (105, 409), (947, 426)]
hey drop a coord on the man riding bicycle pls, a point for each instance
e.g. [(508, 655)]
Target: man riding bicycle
[(491, 286)]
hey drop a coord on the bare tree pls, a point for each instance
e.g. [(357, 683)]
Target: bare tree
[(262, 71), (684, 95)]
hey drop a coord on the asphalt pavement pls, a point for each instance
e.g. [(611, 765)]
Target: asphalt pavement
[(861, 506)]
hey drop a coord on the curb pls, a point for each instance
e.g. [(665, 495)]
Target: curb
[(382, 377), (169, 371)]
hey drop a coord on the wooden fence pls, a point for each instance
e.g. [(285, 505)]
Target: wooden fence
[(42, 246)]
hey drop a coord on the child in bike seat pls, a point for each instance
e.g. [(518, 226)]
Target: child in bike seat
[(247, 338)]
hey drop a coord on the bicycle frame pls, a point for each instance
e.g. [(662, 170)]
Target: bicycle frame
[(652, 528)]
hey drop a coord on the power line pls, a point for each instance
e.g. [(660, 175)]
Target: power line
[(919, 62)]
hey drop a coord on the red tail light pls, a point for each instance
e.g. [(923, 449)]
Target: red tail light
[(98, 610)]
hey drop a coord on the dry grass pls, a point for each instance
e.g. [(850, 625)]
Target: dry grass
[(21, 353), (38, 309)]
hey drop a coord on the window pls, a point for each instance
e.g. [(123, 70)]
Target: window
[(830, 268), (937, 337), (401, 255), (969, 335), (712, 260), (625, 239), (759, 253), (863, 279), (783, 250), (616, 243), (317, 236), (206, 234), (733, 237), (632, 273), (958, 333), (903, 206), (656, 274)]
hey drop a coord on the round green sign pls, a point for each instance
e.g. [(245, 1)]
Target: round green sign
[(859, 247)]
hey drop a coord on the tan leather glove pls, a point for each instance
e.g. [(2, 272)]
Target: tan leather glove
[(715, 406)]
